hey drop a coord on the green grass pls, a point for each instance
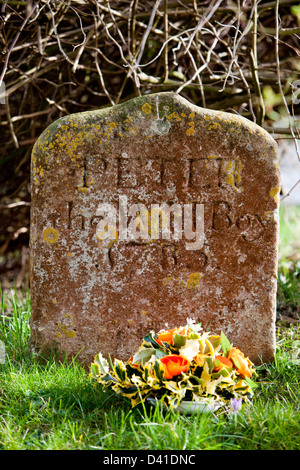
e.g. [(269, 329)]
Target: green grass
[(289, 241), (288, 286), (50, 405), (54, 405)]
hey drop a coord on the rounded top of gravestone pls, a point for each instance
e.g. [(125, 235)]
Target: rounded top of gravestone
[(155, 115)]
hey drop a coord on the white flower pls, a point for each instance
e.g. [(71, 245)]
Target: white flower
[(190, 349), (192, 323)]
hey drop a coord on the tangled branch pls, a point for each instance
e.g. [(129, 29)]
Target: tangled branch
[(61, 57)]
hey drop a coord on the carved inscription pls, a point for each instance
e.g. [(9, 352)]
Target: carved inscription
[(222, 219), (197, 173), (75, 219), (168, 257)]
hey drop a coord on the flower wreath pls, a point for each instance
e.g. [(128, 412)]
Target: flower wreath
[(179, 364)]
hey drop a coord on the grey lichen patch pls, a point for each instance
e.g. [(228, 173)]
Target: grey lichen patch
[(160, 126)]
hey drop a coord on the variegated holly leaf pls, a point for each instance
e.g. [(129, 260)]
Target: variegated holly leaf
[(150, 338), (173, 386), (102, 364), (176, 398), (120, 371), (95, 372), (157, 370), (100, 371)]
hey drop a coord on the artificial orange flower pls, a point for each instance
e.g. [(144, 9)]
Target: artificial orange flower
[(174, 364), (224, 361), (167, 336), (242, 364)]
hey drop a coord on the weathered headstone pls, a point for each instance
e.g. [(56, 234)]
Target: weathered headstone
[(114, 252)]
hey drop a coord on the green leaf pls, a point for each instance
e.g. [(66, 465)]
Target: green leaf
[(217, 363), (226, 345), (236, 363), (143, 355), (210, 363), (159, 354), (295, 9), (179, 341), (251, 383), (194, 335), (150, 339), (216, 341), (222, 372)]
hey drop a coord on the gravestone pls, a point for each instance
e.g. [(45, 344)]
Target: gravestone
[(149, 213)]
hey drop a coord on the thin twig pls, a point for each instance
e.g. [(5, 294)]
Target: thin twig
[(277, 22)]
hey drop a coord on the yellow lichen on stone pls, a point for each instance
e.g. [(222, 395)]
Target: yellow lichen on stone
[(146, 108), (82, 189), (190, 131), (274, 193), (50, 235), (194, 281), (70, 334), (174, 117), (168, 281), (64, 327), (233, 170), (271, 216), (215, 125)]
